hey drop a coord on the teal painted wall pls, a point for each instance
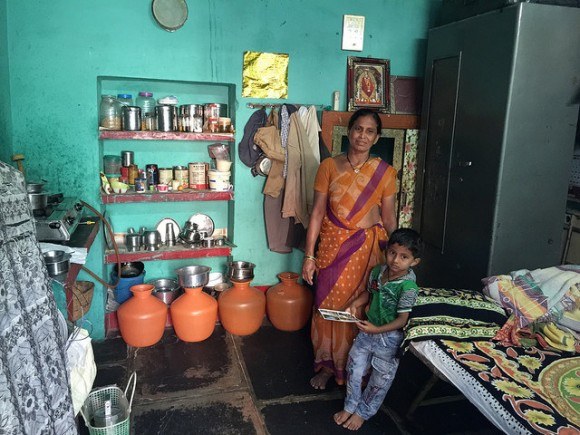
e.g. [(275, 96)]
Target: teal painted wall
[(5, 119), (56, 50)]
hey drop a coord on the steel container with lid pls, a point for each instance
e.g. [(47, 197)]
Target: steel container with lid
[(165, 115), (127, 158), (131, 119), (215, 110), (191, 118)]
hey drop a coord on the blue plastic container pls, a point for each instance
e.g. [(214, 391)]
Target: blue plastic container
[(128, 279)]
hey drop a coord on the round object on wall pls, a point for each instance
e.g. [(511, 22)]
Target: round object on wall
[(170, 14)]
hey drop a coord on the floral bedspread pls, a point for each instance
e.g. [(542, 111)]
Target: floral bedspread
[(540, 388)]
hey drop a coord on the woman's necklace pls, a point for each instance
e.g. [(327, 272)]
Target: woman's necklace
[(356, 169)]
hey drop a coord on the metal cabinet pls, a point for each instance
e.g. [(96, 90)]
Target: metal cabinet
[(496, 142)]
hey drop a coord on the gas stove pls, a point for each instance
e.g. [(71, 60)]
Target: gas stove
[(58, 220)]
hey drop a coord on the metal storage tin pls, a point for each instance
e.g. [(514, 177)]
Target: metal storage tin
[(191, 118), (131, 119), (165, 117)]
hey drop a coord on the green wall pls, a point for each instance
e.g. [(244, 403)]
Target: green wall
[(5, 136), (56, 50)]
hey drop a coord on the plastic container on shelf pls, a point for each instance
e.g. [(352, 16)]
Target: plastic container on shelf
[(147, 104), (112, 164), (125, 99), (109, 113)]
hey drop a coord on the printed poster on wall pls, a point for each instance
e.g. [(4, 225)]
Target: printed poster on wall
[(265, 75)]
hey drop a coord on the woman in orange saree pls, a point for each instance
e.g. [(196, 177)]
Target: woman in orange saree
[(354, 208)]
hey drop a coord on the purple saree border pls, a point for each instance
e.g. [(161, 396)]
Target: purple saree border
[(369, 188)]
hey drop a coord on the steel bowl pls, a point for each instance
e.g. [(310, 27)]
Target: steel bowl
[(241, 270), (58, 267), (53, 256), (166, 289), (193, 276)]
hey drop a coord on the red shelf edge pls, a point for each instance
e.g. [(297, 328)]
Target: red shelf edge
[(202, 195), (181, 254), (165, 135)]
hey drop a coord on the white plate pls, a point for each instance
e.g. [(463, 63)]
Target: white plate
[(203, 222), (170, 14), (162, 228)]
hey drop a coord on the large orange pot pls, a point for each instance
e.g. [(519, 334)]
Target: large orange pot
[(194, 315), (142, 317), (288, 303), (242, 308)]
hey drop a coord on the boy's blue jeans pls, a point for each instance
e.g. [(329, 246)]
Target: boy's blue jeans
[(376, 352)]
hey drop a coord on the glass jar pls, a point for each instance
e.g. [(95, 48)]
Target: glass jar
[(147, 104), (125, 99), (109, 113)]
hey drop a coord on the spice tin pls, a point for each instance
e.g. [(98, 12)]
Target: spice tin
[(214, 110), (140, 185), (152, 175), (133, 174), (165, 175), (212, 125), (127, 158), (197, 176), (180, 174)]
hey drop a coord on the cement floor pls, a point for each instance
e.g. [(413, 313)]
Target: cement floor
[(258, 384)]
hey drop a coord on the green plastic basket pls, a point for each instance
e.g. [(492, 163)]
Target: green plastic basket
[(118, 398)]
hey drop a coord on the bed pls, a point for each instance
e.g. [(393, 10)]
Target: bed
[(521, 390)]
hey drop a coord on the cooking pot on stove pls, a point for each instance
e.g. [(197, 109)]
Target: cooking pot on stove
[(40, 201), (34, 187)]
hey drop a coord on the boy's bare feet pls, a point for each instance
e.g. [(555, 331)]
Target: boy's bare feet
[(319, 380), (354, 422), (341, 417)]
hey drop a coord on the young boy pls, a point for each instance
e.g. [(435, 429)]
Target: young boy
[(392, 291)]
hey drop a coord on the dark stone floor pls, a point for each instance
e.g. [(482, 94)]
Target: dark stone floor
[(259, 385)]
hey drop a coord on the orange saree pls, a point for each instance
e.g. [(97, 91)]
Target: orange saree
[(346, 253)]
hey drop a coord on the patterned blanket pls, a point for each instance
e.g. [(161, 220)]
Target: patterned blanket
[(539, 389), (453, 314)]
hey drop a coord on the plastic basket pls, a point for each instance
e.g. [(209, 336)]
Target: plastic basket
[(96, 400)]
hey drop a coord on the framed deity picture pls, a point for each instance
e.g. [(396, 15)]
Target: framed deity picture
[(368, 84)]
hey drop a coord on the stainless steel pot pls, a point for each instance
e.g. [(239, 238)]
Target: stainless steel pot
[(193, 276), (152, 240), (34, 187), (132, 242), (53, 256), (58, 267), (241, 270), (165, 289), (38, 201)]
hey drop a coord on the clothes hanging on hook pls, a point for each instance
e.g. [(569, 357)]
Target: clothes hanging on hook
[(248, 151)]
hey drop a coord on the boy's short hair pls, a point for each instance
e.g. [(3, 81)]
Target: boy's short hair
[(408, 238)]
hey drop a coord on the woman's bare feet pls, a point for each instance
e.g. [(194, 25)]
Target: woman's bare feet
[(341, 417), (354, 422), (319, 380)]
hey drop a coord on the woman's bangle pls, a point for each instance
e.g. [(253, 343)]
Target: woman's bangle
[(309, 257)]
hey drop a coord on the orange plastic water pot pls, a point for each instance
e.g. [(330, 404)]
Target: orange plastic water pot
[(142, 317), (242, 308), (194, 315), (288, 303)]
